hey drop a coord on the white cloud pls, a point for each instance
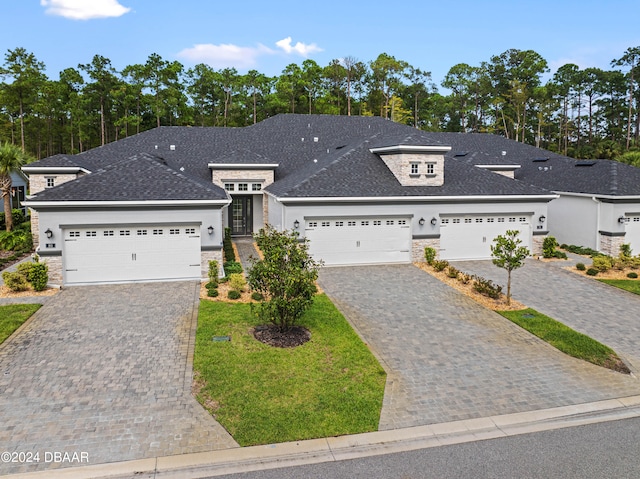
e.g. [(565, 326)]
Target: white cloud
[(84, 9), (299, 48), (224, 55)]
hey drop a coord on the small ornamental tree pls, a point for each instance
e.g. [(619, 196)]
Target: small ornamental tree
[(508, 254), (285, 278)]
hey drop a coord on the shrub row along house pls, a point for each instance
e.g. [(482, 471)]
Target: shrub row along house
[(363, 190)]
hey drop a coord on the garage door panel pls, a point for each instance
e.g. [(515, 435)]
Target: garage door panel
[(359, 240), (471, 237), (132, 253), (632, 235)]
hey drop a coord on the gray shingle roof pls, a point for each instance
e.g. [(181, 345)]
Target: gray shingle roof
[(325, 155), (141, 177)]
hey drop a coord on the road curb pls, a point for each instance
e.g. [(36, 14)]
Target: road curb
[(245, 459)]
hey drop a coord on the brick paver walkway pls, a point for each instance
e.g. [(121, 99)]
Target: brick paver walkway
[(105, 370), (448, 358), (605, 313)]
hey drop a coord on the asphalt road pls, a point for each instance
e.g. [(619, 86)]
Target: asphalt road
[(604, 450)]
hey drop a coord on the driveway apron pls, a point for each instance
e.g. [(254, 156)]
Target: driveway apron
[(608, 314), (448, 358), (105, 371)]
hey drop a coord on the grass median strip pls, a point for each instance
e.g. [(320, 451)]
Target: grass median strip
[(566, 339), (331, 385), (631, 285), (13, 316)]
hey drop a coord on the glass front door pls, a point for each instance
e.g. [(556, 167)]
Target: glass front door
[(241, 219)]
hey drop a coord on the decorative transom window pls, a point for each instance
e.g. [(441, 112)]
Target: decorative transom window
[(174, 231), (523, 219), (478, 220), (190, 231), (90, 233), (325, 223), (158, 232), (51, 182), (312, 224), (377, 222), (467, 220), (390, 222), (107, 233), (243, 186), (456, 220), (402, 222), (512, 220), (414, 168), (229, 186), (141, 232), (364, 223), (445, 221), (489, 220), (74, 234), (256, 186), (351, 223), (125, 233), (500, 220), (339, 223), (636, 219), (431, 168)]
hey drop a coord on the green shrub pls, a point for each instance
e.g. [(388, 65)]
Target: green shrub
[(15, 281), (632, 275), (39, 276), (625, 250), (213, 270), (257, 296), (25, 269), (430, 255), (440, 265), (602, 263), (16, 240), (486, 287), (560, 254), (233, 294), (581, 267), (464, 278), (231, 267), (224, 279), (452, 272), (549, 246), (580, 250), (227, 246), (212, 284), (212, 292), (237, 282), (592, 272)]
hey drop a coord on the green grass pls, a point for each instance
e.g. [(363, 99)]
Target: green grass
[(332, 385), (12, 316), (564, 338), (631, 285)]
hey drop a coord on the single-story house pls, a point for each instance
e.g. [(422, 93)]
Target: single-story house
[(363, 190)]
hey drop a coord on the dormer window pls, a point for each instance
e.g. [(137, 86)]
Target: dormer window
[(414, 168), (51, 181), (414, 165), (431, 168)]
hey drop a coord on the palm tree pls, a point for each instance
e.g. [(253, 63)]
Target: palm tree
[(11, 159)]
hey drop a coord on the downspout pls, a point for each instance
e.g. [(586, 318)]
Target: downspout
[(599, 203)]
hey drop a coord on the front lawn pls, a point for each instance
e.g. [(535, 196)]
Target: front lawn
[(631, 285), (566, 339), (12, 316), (332, 385)]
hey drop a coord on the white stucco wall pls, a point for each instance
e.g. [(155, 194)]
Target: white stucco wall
[(574, 220)]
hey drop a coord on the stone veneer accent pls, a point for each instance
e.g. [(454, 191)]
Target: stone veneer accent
[(537, 242), (37, 183), (610, 244), (400, 166), (55, 269), (418, 246), (264, 176), (210, 255)]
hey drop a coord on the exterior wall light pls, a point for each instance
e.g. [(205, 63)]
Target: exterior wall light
[(296, 224), (49, 233), (421, 221), (623, 220), (434, 220), (210, 230), (542, 218)]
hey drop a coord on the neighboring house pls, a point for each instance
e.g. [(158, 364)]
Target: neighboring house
[(363, 189), (19, 184)]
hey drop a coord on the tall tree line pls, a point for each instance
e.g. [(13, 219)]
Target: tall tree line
[(589, 113)]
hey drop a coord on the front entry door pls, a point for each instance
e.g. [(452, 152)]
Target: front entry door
[(241, 218)]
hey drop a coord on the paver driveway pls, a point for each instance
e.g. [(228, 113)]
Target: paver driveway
[(448, 358), (608, 314), (105, 370)]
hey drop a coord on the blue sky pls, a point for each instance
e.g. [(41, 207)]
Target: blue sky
[(267, 36)]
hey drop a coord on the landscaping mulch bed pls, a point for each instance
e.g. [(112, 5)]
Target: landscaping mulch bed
[(7, 293), (499, 304), (273, 336)]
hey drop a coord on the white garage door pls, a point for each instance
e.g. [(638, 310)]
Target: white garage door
[(471, 236), (131, 253), (633, 233), (342, 241)]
